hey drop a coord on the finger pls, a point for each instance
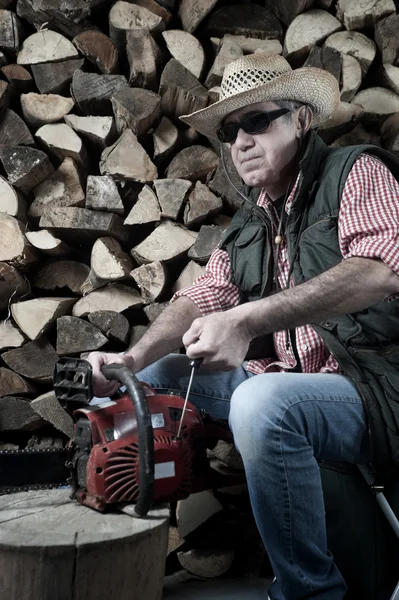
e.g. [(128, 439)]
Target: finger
[(192, 335)]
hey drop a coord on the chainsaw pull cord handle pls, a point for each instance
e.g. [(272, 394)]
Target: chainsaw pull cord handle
[(145, 432)]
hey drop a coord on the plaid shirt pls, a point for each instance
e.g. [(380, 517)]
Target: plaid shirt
[(368, 227)]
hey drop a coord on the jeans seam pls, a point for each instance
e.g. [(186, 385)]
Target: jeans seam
[(192, 393)]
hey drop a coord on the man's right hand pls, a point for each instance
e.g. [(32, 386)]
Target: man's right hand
[(101, 386)]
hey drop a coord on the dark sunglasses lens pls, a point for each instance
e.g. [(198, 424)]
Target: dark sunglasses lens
[(256, 124), (228, 133)]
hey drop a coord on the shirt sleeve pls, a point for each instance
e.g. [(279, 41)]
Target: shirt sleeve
[(368, 223), (213, 291)]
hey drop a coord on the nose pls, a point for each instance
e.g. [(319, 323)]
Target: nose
[(243, 140)]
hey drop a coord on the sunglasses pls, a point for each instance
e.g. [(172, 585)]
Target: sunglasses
[(252, 125)]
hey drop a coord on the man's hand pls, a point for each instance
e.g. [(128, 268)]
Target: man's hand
[(219, 339), (101, 386)]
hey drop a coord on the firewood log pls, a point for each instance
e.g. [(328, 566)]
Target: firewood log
[(10, 32), (167, 242), (35, 317), (13, 130), (206, 563), (378, 103), (6, 93), (243, 19), (66, 16), (16, 414), (196, 162), (208, 239), (46, 46), (99, 131), (108, 263), (102, 194), (307, 29), (351, 77), (137, 333), (12, 384), (249, 45), (145, 210), (25, 167), (165, 139), (156, 8), (181, 92), (386, 39), (192, 12), (34, 360), (124, 17), (112, 324), (345, 118), (363, 14), (201, 205), (62, 141), (153, 310), (325, 58), (14, 247), (185, 48), (288, 10), (92, 92), (145, 59), (136, 109), (13, 285), (12, 202), (127, 160), (41, 109), (99, 50), (187, 277), (75, 335), (19, 77), (10, 335), (151, 280), (388, 76), (61, 274), (358, 135), (220, 185), (55, 78), (390, 134), (47, 243), (47, 406), (226, 53), (355, 44), (172, 194), (114, 297)]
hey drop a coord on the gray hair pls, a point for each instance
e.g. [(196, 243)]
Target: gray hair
[(291, 105)]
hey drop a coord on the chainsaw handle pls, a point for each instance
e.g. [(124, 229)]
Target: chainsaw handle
[(145, 432)]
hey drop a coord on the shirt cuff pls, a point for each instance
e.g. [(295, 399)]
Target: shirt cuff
[(205, 299)]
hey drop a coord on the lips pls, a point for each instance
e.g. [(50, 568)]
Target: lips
[(249, 158)]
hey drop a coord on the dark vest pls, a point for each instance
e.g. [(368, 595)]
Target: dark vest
[(366, 343)]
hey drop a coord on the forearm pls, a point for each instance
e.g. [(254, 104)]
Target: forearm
[(165, 334), (350, 286)]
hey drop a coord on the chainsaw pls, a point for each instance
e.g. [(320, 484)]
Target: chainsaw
[(141, 447)]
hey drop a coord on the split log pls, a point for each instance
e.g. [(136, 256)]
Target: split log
[(67, 17), (62, 188), (187, 277), (165, 139), (35, 317), (226, 53), (6, 93), (351, 77), (196, 162), (344, 119), (75, 335), (108, 263), (172, 194), (124, 17), (35, 360), (355, 44), (47, 243), (114, 297), (287, 10), (390, 134), (12, 202), (61, 141), (19, 78), (55, 78), (250, 45), (307, 29), (222, 220), (137, 333), (154, 309), (181, 92), (388, 76), (145, 59), (193, 511), (378, 103), (136, 109), (167, 242), (243, 19), (358, 135), (12, 284), (185, 48), (206, 563), (12, 384), (61, 274), (48, 407), (10, 32), (325, 58), (10, 336), (363, 14), (151, 280), (112, 324), (25, 167), (13, 130), (157, 8), (127, 160), (46, 46), (209, 237), (92, 92), (14, 247), (99, 131), (386, 39), (102, 194), (99, 50), (80, 223), (41, 109), (192, 12), (16, 414), (145, 210), (201, 205)]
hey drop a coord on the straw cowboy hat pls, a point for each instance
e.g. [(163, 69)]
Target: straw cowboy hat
[(260, 77)]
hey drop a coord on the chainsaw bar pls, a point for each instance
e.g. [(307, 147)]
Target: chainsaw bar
[(25, 470)]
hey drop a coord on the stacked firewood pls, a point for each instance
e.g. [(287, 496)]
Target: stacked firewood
[(109, 203)]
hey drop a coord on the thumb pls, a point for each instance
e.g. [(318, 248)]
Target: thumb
[(192, 335)]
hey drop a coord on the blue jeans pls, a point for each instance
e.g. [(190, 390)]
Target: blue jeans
[(282, 423)]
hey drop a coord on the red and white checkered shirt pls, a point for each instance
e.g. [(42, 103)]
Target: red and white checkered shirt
[(368, 227)]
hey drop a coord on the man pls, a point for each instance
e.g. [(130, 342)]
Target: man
[(312, 258)]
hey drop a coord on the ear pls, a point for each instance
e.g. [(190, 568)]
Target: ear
[(304, 120)]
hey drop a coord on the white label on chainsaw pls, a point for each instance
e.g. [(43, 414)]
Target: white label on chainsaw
[(164, 470), (157, 421)]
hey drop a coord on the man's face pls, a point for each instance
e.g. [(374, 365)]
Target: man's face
[(265, 159)]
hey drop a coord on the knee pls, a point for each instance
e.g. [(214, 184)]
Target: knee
[(164, 371)]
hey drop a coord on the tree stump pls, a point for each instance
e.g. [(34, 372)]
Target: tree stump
[(52, 547)]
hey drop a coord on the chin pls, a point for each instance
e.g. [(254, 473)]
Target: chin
[(254, 180)]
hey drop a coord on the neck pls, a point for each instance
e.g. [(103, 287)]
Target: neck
[(286, 183)]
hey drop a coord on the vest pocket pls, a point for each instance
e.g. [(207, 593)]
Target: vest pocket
[(248, 258)]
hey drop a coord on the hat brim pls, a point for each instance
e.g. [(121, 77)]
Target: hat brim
[(315, 87)]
